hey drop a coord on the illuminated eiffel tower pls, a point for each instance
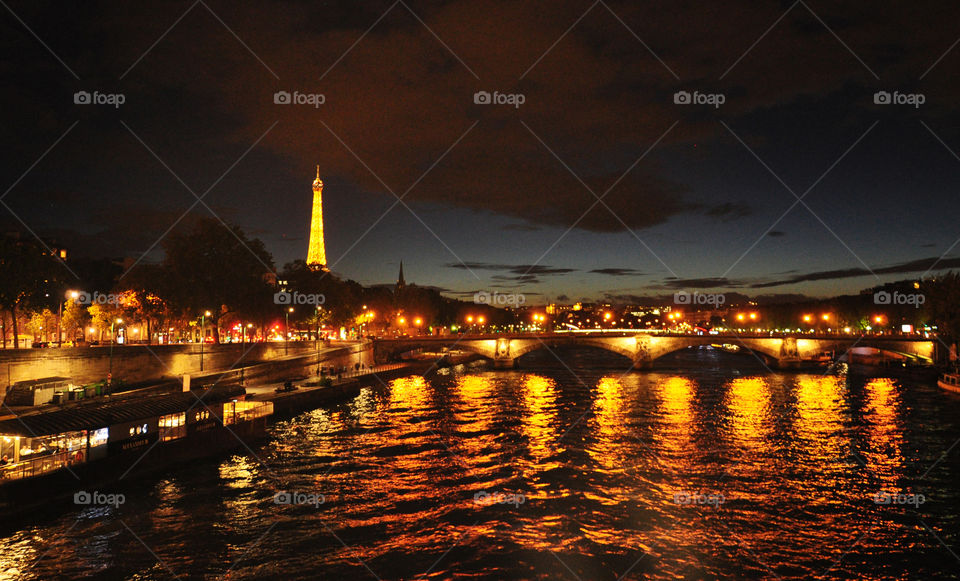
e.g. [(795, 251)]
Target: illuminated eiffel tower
[(316, 253)]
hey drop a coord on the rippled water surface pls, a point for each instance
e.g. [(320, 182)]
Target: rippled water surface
[(547, 474)]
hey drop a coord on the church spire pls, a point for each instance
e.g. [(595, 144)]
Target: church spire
[(401, 283)]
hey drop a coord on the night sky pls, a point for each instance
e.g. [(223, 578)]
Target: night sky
[(496, 196)]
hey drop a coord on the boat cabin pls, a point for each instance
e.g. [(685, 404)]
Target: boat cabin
[(33, 444), (34, 392)]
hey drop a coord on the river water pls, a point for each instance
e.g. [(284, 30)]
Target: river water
[(696, 472)]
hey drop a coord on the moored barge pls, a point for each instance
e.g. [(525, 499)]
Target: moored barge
[(53, 455)]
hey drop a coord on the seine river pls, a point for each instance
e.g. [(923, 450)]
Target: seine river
[(700, 471)]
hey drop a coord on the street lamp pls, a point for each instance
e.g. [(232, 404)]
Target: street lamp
[(286, 332), (71, 294), (203, 332), (112, 341)]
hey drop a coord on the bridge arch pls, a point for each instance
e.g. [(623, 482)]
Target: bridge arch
[(627, 349)]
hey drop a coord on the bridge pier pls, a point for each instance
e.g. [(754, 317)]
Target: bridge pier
[(645, 363), (504, 363)]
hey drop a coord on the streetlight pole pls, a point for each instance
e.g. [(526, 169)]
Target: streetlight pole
[(286, 332), (203, 320), (73, 295), (113, 339)]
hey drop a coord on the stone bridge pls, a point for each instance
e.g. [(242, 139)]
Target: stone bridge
[(645, 348)]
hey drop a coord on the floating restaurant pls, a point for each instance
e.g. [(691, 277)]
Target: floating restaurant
[(96, 440)]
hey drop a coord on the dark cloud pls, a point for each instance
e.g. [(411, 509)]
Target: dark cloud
[(776, 233), (519, 269), (519, 279), (699, 283), (616, 271), (922, 265), (728, 211)]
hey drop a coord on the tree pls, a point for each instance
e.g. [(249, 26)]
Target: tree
[(28, 272), (140, 291), (943, 297), (40, 323), (216, 268), (103, 316), (75, 316)]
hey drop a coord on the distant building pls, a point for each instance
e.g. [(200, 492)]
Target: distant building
[(49, 247)]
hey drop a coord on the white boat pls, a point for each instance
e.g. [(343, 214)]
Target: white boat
[(950, 382)]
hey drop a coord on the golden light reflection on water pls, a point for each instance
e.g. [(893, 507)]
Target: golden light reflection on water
[(675, 396), (18, 554), (538, 424), (609, 415), (409, 392), (475, 416), (748, 400), (821, 415), (883, 453)]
